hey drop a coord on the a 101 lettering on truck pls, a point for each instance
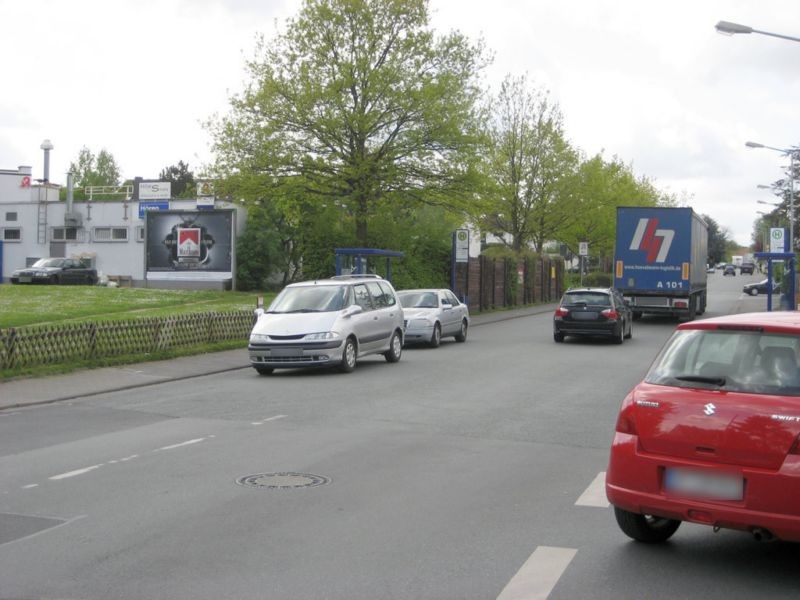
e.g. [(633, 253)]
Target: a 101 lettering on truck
[(660, 261)]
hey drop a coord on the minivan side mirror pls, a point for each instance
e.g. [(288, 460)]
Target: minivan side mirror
[(353, 309)]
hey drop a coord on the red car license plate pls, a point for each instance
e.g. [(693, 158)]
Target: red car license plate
[(700, 484)]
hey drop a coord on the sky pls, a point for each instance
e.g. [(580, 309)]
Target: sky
[(650, 83)]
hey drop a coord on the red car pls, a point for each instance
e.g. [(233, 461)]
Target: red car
[(712, 434)]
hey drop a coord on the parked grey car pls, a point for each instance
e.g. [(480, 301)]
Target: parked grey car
[(431, 314), (328, 323)]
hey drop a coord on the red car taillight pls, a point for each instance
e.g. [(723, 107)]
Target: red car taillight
[(610, 313), (561, 312), (626, 423)]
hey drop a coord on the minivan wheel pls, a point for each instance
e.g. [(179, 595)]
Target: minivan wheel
[(349, 356), (395, 348), (436, 337), (645, 528)]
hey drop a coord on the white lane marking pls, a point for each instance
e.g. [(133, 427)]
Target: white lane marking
[(275, 418), (74, 473), (539, 575), (595, 494), (127, 458), (29, 486), (195, 441)]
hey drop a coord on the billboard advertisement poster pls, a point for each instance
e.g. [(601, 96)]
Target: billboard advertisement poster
[(189, 240)]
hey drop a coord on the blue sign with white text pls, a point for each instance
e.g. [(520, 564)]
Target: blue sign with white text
[(152, 205)]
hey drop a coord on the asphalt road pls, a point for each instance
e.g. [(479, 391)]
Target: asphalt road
[(473, 471)]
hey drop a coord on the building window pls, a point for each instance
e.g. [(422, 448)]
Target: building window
[(66, 234), (140, 233), (12, 234), (110, 234), (11, 216)]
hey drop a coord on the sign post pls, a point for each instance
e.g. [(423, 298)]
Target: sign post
[(583, 251), (460, 254)]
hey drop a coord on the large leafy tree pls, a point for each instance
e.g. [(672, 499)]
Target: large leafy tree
[(181, 178), (356, 103), (718, 240), (531, 167), (95, 170)]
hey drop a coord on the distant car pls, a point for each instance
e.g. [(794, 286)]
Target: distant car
[(747, 267), (729, 270), (56, 271), (433, 314), (754, 289), (593, 312), (720, 265), (328, 323), (711, 434)]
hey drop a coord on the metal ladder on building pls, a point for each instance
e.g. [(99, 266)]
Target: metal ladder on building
[(42, 217)]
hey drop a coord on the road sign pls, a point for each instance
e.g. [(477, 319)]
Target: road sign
[(583, 248), (777, 239), (462, 245)]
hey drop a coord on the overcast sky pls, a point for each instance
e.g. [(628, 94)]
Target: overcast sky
[(649, 82)]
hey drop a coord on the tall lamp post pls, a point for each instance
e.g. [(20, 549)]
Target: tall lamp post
[(729, 28), (790, 152)]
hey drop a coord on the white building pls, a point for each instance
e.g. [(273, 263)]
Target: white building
[(34, 224)]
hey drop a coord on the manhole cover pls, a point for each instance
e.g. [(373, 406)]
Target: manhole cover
[(282, 481)]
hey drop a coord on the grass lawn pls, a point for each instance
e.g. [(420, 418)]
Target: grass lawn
[(22, 305)]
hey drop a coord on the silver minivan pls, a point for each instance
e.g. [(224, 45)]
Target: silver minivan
[(328, 323)]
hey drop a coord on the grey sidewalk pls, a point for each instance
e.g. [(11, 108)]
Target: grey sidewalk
[(42, 390)]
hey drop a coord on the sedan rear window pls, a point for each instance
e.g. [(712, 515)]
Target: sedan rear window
[(735, 361)]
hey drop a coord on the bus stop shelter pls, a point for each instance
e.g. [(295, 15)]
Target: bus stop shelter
[(788, 287), (355, 259)]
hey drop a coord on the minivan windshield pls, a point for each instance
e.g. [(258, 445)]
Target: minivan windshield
[(311, 298), (732, 360)]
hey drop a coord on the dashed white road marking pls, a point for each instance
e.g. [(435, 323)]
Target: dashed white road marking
[(595, 494), (75, 473), (539, 575), (275, 418), (190, 442), (29, 486)]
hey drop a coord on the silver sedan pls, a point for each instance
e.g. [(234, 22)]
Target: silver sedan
[(432, 314)]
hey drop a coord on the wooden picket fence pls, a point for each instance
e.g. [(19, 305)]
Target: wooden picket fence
[(25, 347)]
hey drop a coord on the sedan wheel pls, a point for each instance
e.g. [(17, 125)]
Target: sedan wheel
[(462, 335), (436, 337), (395, 348), (754, 292), (349, 356), (645, 528), (558, 336)]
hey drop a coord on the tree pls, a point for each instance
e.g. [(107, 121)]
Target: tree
[(718, 241), (91, 170), (181, 178), (357, 102), (531, 166)]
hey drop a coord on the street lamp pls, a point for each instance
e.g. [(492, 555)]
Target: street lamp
[(728, 28), (790, 152)]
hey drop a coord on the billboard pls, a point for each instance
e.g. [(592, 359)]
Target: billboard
[(189, 241)]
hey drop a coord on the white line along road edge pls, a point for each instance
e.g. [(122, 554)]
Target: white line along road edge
[(595, 494), (539, 575)]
